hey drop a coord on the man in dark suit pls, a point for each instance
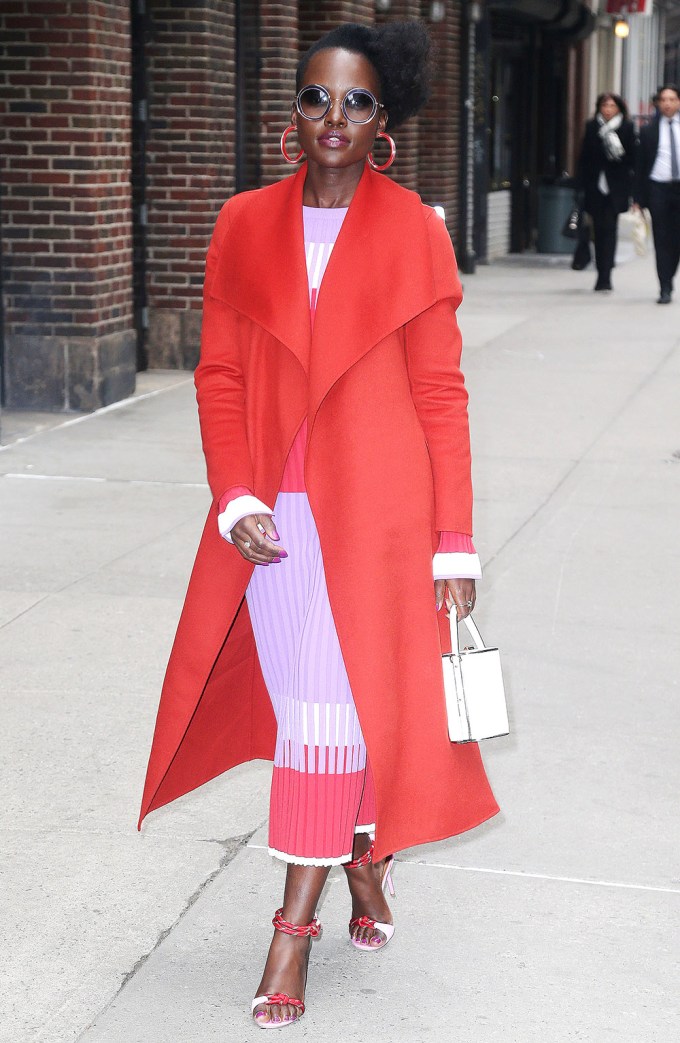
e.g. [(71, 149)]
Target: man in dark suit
[(658, 185)]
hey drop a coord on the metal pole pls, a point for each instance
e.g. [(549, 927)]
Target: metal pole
[(3, 379), (469, 258)]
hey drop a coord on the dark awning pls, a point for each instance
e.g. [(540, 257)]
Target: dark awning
[(572, 18)]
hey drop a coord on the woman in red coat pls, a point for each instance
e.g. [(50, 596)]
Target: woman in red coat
[(334, 423)]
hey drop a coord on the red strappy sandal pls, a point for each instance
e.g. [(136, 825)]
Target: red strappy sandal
[(310, 930), (387, 929)]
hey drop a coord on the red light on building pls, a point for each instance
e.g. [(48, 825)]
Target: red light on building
[(622, 7)]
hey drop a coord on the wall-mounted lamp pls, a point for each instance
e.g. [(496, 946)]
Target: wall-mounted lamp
[(621, 28), (383, 5), (437, 11)]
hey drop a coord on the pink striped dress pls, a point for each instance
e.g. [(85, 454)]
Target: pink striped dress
[(322, 791)]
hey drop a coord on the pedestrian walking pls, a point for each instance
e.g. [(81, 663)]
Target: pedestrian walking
[(605, 177), (334, 423), (658, 185)]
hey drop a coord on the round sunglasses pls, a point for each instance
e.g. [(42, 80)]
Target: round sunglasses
[(358, 105)]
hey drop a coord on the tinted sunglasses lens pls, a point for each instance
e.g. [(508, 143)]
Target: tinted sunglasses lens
[(359, 106), (313, 102)]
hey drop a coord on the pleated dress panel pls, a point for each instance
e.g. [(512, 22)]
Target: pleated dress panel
[(322, 790)]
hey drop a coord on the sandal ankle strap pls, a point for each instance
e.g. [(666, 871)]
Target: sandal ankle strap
[(309, 930), (363, 860)]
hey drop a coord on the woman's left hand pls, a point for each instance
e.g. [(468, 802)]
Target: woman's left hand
[(458, 592)]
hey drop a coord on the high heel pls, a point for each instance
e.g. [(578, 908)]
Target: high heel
[(311, 930), (387, 929), (386, 879)]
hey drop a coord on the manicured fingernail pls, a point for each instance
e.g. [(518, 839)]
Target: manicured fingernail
[(283, 553), (275, 560), (261, 1014), (438, 604), (275, 535)]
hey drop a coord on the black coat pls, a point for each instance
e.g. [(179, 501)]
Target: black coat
[(647, 150), (619, 173)]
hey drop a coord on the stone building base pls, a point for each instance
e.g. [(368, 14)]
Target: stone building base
[(174, 338), (69, 373)]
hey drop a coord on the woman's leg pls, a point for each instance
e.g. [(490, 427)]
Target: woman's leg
[(605, 226), (610, 220), (365, 886), (285, 971), (600, 237)]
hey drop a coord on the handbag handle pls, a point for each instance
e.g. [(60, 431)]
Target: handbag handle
[(472, 627)]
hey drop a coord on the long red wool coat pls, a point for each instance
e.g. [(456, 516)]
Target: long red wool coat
[(387, 467)]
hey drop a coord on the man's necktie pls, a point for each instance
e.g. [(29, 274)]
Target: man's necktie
[(675, 166)]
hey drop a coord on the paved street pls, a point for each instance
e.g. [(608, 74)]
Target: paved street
[(557, 921)]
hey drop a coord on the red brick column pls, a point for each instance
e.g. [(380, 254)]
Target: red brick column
[(404, 170), (190, 164), (278, 60), (439, 140), (66, 231), (318, 18)]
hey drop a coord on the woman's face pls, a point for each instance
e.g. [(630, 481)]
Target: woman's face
[(333, 141), (608, 108)]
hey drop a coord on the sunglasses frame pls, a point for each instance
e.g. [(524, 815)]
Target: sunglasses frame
[(319, 86)]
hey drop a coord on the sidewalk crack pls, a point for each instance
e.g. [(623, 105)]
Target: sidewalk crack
[(232, 847)]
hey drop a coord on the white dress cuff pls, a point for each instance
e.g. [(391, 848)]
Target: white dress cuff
[(239, 507), (456, 565)]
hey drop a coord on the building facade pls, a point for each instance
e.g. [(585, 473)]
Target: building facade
[(633, 51), (535, 89), (125, 124)]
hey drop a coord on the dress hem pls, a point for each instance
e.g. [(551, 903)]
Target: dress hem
[(300, 860), (369, 828)]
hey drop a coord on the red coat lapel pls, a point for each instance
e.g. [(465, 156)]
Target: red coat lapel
[(261, 271), (367, 291)]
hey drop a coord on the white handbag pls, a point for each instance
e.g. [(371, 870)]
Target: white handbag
[(473, 685), (640, 232)]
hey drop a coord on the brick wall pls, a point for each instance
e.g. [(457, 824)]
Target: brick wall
[(190, 164), (66, 225), (317, 18), (219, 84), (191, 149), (439, 139), (278, 59), (404, 170)]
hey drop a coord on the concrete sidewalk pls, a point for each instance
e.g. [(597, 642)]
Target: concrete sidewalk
[(557, 921)]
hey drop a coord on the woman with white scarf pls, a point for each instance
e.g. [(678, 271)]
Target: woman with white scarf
[(605, 176)]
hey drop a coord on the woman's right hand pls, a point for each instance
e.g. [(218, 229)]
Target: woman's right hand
[(253, 536)]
